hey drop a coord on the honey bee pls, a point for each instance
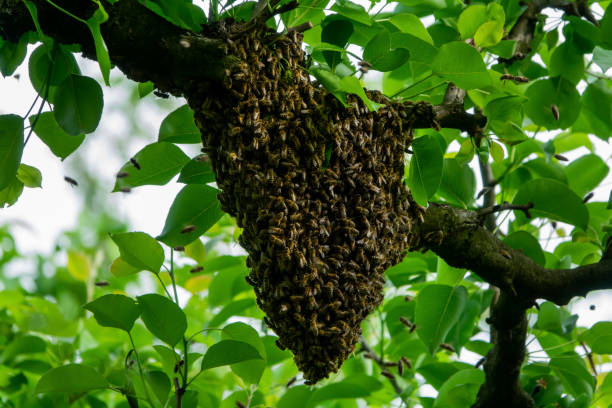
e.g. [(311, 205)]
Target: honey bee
[(71, 181), (196, 269), (135, 163)]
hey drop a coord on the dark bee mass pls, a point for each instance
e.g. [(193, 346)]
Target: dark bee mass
[(316, 186)]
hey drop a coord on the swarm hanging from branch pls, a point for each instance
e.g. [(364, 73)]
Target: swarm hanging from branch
[(317, 188)]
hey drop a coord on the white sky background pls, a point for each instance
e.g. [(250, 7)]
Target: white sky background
[(40, 215)]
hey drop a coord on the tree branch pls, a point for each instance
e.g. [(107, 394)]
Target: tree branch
[(381, 363), (458, 237), (502, 387), (174, 59), (142, 44), (523, 30)]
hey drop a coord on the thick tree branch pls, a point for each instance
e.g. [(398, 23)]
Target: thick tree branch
[(458, 237), (502, 387), (141, 44), (451, 113), (145, 47)]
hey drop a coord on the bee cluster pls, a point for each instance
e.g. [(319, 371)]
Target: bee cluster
[(317, 188)]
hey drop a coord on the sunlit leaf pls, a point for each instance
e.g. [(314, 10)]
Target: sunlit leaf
[(140, 250)]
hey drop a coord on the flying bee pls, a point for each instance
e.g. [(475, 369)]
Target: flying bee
[(101, 283), (196, 269), (71, 181)]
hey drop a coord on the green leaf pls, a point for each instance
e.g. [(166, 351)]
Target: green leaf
[(555, 319), (29, 176), (462, 65), (140, 250), (585, 173), (380, 54), (228, 352), (179, 127), (597, 108), (527, 243), (470, 19), (489, 34), (78, 265), (603, 58), (567, 62), (308, 10), (572, 371), (197, 171), (551, 199), (295, 397), (12, 55), (599, 338), (145, 88), (352, 11), (10, 193), (99, 17), (411, 24), (11, 147), (448, 275), (426, 166), (544, 94), (164, 318), (460, 390), (336, 31), (357, 386), (23, 345), (49, 66), (568, 141), (250, 371), (160, 384), (71, 378), (458, 184), (49, 131), (438, 308), (158, 163), (114, 311), (195, 205), (235, 308), (120, 268), (352, 85), (497, 152), (78, 104)]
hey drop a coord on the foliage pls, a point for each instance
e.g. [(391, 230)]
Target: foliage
[(84, 336)]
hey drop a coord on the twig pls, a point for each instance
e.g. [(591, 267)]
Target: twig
[(483, 212), (381, 364), (589, 355)]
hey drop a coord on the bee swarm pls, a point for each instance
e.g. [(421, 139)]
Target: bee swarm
[(317, 188)]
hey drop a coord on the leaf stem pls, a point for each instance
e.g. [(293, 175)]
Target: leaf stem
[(66, 12), (411, 86), (140, 371)]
